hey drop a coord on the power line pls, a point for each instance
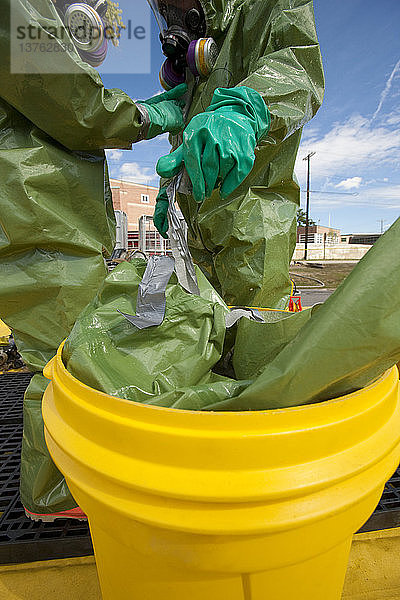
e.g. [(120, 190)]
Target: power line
[(332, 193), (329, 153)]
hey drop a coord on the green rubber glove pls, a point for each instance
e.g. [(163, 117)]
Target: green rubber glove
[(163, 113), (219, 144), (160, 218)]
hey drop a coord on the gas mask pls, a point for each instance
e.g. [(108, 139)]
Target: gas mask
[(85, 24), (182, 26)]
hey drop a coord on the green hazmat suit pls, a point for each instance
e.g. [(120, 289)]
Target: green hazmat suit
[(288, 360), (56, 215), (270, 46)]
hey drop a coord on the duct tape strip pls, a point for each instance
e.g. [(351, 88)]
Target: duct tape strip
[(184, 266), (151, 300), (238, 313)]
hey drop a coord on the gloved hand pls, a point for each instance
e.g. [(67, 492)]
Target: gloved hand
[(163, 113), (219, 144), (160, 219)]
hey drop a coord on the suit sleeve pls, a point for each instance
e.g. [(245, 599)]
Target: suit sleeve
[(288, 70), (70, 103)]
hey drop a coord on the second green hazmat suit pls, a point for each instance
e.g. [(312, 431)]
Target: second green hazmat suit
[(244, 241), (56, 213)]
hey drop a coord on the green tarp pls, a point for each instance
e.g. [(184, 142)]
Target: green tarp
[(162, 365), (290, 360)]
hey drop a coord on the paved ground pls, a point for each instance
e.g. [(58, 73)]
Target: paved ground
[(311, 297), (373, 574)]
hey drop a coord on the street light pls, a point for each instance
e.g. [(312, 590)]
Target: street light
[(308, 159)]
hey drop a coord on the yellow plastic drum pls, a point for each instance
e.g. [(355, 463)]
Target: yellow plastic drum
[(235, 506), (5, 331)]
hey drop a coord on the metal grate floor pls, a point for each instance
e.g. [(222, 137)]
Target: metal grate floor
[(22, 540), (12, 389), (391, 496), (387, 513)]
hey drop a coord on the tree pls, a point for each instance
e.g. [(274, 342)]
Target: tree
[(302, 219)]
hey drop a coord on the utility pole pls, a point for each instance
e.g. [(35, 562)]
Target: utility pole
[(382, 223), (308, 159)]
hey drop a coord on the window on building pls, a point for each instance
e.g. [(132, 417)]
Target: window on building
[(145, 198), (310, 238), (332, 238)]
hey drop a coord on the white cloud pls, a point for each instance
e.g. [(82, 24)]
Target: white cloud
[(354, 145), (350, 183), (133, 172), (392, 118), (357, 162), (387, 89), (115, 155), (383, 197)]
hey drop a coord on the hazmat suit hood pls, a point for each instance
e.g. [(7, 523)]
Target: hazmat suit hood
[(219, 15)]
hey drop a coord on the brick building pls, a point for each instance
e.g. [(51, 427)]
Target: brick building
[(318, 234), (327, 243), (135, 199), (368, 239), (138, 202)]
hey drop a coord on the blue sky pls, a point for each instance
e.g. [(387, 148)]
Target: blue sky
[(356, 134)]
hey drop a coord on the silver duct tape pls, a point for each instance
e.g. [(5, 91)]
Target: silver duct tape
[(144, 130), (238, 313), (151, 300), (185, 185), (184, 266)]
